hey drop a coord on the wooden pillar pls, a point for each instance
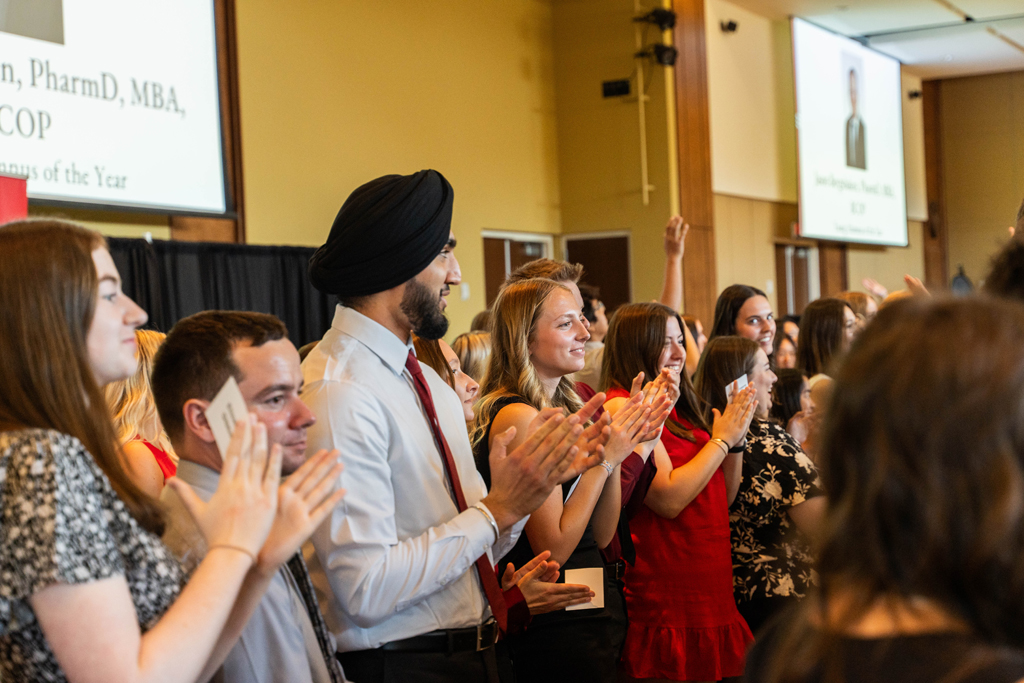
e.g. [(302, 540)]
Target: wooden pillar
[(229, 228), (832, 268), (696, 201), (936, 245)]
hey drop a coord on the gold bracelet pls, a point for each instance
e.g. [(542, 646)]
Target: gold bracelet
[(720, 442), (228, 546)]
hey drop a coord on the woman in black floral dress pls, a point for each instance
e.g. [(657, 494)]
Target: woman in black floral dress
[(779, 499), (87, 589)]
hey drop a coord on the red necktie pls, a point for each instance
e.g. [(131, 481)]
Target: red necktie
[(488, 578)]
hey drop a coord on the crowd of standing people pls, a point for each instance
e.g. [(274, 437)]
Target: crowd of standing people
[(564, 493)]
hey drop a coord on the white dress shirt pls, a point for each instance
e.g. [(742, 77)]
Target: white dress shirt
[(398, 555)]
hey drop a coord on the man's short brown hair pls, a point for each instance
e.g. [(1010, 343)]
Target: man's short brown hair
[(559, 271), (195, 359)]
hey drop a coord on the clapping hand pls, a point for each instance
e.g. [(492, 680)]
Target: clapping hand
[(536, 579), (241, 511), (732, 424), (304, 500), (661, 395)]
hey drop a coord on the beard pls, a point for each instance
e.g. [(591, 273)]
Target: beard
[(422, 307)]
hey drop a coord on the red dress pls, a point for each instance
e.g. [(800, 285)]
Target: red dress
[(162, 459), (683, 621)]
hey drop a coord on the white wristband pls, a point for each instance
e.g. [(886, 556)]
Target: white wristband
[(490, 518), (608, 467)]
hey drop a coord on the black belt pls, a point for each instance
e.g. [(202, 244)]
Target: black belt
[(474, 638), (616, 570)]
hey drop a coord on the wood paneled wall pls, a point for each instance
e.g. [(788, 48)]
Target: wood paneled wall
[(696, 200), (936, 240)]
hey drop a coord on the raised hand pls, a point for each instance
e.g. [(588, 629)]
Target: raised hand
[(915, 286), (304, 500), (675, 237), (731, 426), (242, 509), (875, 288), (536, 579)]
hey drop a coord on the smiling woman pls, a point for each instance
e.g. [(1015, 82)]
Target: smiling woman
[(745, 311)]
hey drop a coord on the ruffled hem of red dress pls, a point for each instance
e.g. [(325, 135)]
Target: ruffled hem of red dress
[(686, 654)]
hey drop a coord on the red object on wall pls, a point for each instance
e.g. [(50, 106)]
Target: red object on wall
[(13, 198)]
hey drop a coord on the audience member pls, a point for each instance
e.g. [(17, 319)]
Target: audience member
[(919, 564), (286, 636), (791, 327), (683, 622), (829, 326), (442, 359), (746, 312), (474, 352), (1006, 277), (792, 407), (148, 455), (90, 592), (779, 494), (538, 335), (593, 311), (696, 328), (481, 321), (864, 306), (784, 356), (408, 552)]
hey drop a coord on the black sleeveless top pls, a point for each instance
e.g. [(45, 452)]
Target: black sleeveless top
[(586, 554)]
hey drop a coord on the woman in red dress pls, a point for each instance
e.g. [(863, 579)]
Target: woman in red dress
[(683, 621)]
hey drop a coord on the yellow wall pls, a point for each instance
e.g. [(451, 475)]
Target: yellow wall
[(983, 148), (885, 264), (334, 94), (599, 139)]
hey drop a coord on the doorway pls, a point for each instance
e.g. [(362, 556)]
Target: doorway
[(506, 251), (605, 257)]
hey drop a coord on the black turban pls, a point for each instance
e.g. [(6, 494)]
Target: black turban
[(387, 232)]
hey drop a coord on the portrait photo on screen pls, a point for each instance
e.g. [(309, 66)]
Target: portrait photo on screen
[(849, 105)]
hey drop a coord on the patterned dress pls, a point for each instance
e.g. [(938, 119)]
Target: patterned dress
[(770, 558), (61, 522)]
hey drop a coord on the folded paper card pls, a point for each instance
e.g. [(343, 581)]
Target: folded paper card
[(226, 409), (593, 578)]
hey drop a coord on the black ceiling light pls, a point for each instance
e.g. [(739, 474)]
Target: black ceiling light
[(664, 18)]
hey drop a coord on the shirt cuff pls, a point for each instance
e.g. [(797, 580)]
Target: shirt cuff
[(482, 509)]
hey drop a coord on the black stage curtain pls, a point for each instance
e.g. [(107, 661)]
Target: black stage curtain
[(173, 280)]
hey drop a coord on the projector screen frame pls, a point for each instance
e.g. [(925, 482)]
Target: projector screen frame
[(230, 138), (799, 168)]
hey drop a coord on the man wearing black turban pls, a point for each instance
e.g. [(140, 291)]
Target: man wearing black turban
[(408, 553)]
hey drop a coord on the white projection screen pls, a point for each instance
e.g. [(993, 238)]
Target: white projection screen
[(113, 103), (849, 107)]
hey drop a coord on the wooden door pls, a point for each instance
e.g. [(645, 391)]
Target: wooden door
[(605, 265)]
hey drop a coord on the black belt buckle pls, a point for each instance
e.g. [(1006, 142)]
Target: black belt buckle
[(617, 569), (486, 635)]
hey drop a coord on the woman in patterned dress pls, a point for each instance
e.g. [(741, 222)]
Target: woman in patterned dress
[(779, 499), (87, 590)]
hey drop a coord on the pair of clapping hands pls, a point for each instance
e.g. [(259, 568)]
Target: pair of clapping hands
[(253, 511), (608, 439)]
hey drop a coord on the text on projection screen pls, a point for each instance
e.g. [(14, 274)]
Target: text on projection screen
[(850, 140), (112, 102)]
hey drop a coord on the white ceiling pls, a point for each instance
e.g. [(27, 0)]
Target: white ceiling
[(931, 37)]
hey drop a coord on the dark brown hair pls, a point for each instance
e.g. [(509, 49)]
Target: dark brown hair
[(786, 395), (635, 340), (195, 359), (1006, 279), (821, 335), (428, 351), (725, 359), (559, 271), (728, 306), (922, 455), (858, 302), (691, 322), (48, 292)]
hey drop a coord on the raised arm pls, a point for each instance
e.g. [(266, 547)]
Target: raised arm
[(675, 241)]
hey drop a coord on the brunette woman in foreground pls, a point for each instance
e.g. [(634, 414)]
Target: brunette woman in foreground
[(89, 592), (920, 577)]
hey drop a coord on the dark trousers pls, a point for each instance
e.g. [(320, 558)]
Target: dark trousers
[(564, 652), (385, 666), (760, 611)]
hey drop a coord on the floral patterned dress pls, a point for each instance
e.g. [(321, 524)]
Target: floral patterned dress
[(61, 522), (770, 557)]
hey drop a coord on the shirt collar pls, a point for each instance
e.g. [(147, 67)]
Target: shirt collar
[(201, 478), (373, 336)]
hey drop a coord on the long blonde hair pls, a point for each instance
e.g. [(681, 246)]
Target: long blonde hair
[(131, 400), (510, 372), (474, 352)]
